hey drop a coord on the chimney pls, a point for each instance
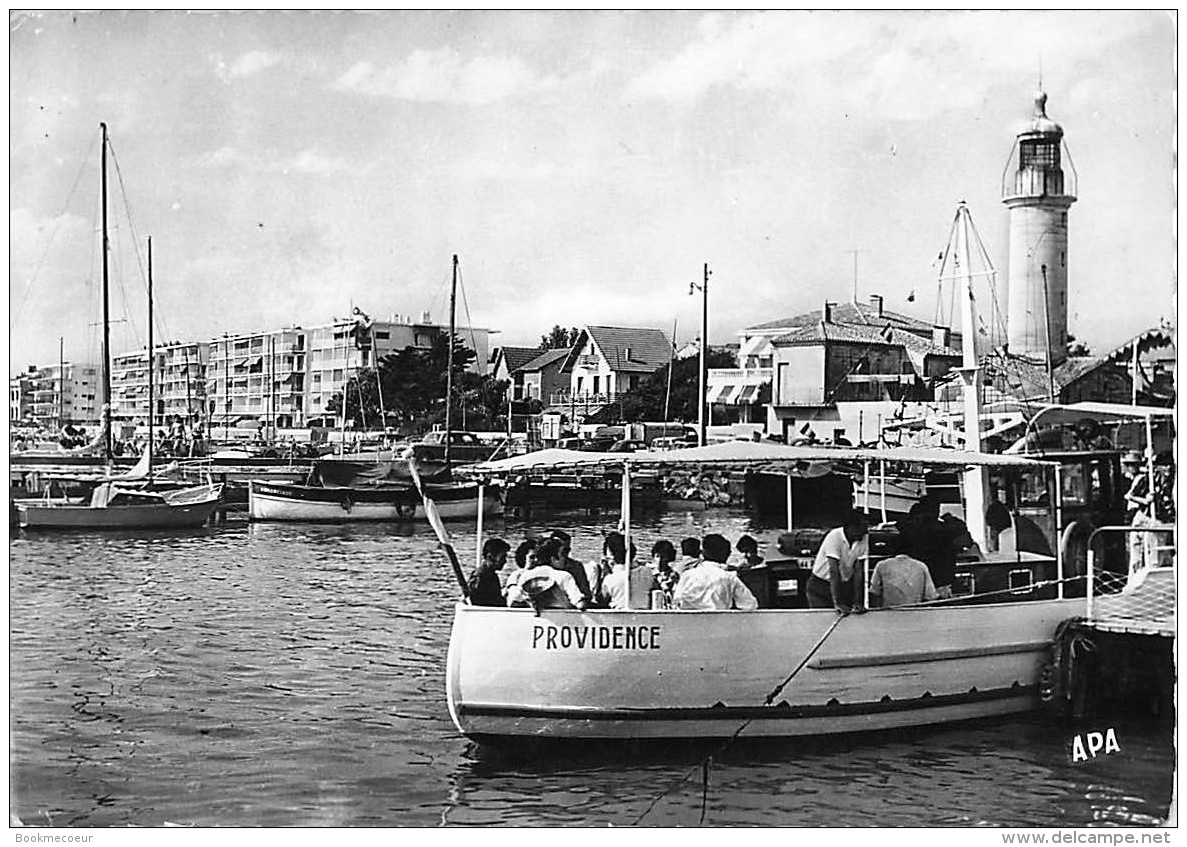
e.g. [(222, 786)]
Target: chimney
[(941, 336), (826, 314), (876, 304), (426, 317)]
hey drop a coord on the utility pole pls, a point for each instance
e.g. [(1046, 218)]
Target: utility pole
[(702, 412)]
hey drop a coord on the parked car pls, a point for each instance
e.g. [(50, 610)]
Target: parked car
[(627, 445)]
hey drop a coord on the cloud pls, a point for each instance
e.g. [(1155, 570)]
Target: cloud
[(253, 62), (441, 76), (249, 63), (311, 162), (306, 162), (883, 62)]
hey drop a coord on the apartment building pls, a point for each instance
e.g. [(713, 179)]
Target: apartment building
[(53, 395), (337, 350), (257, 376)]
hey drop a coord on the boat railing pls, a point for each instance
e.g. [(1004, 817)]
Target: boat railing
[(1142, 595)]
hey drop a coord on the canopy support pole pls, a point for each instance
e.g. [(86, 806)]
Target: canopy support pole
[(789, 508), (866, 486), (626, 526), (1058, 530), (478, 531), (882, 475)]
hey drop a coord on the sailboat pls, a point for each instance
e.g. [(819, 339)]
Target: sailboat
[(342, 491), (124, 501)]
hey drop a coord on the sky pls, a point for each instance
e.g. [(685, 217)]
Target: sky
[(584, 166)]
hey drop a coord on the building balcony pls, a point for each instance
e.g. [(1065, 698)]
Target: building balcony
[(581, 399)]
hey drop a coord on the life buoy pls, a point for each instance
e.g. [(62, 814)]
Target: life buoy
[(405, 510)]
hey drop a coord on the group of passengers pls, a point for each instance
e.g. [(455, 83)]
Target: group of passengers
[(702, 576), (921, 567)]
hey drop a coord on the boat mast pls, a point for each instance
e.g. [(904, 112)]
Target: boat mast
[(107, 451), (150, 360), (449, 367), (975, 481), (61, 382)]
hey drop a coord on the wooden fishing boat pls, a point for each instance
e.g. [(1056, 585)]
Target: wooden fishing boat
[(396, 501)]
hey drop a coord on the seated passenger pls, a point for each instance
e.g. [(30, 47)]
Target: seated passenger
[(690, 555), (524, 551), (641, 580), (748, 555), (573, 567), (663, 554), (709, 585), (542, 584), (484, 582), (900, 580)]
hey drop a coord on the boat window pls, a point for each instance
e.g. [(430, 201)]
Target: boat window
[(1020, 580), (1032, 489), (1074, 485)]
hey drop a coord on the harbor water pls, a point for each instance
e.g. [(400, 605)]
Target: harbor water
[(293, 675)]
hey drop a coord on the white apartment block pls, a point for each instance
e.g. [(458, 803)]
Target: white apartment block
[(334, 356), (54, 395), (258, 376)]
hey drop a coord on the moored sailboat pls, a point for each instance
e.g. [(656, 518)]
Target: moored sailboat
[(125, 501)]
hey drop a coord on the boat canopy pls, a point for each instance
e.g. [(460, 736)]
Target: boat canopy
[(775, 458), (1053, 415)]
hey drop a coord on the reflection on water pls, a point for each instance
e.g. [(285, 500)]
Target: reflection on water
[(292, 675)]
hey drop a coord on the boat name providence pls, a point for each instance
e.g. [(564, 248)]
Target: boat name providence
[(595, 637)]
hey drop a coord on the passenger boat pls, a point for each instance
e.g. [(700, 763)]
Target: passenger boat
[(654, 673), (774, 671)]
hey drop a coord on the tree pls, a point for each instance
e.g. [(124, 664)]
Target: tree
[(559, 338), (646, 403), (413, 383)]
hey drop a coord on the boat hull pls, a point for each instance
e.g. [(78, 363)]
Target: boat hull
[(193, 509), (266, 502), (666, 674)]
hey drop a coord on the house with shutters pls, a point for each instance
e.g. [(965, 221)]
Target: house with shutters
[(607, 362), (534, 374)]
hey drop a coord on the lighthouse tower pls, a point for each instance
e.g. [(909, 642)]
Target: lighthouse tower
[(1038, 201)]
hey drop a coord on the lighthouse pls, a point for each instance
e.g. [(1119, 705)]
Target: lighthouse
[(1038, 200)]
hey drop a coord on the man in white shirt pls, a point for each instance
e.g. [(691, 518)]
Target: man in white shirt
[(709, 585), (835, 579)]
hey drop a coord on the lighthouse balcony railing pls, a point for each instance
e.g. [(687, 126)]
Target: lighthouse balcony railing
[(1018, 181)]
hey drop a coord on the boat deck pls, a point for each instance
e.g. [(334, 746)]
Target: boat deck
[(1146, 608)]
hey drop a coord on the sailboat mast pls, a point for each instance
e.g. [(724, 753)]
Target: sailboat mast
[(975, 481), (449, 367), (107, 424), (62, 382), (150, 361)]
